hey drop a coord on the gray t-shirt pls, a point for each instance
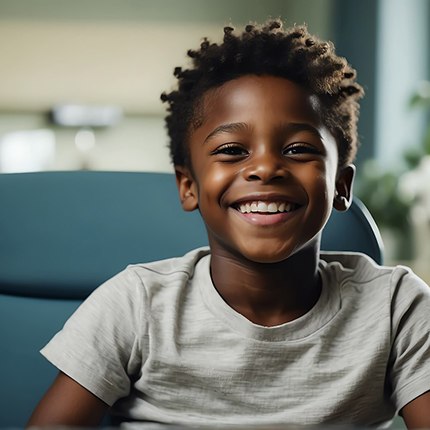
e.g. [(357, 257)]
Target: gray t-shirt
[(159, 344)]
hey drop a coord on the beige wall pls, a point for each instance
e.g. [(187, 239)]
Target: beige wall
[(115, 52)]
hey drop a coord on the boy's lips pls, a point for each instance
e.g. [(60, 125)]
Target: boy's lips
[(260, 209)]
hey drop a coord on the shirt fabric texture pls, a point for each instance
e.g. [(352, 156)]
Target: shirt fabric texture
[(159, 344)]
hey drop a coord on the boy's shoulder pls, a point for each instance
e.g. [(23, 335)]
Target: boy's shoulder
[(349, 263), (357, 269)]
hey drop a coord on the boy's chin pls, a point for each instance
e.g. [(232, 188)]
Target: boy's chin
[(272, 254), (268, 256)]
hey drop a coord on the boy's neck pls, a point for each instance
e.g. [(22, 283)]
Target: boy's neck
[(268, 294)]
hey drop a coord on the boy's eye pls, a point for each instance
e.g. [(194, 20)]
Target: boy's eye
[(231, 149), (300, 149)]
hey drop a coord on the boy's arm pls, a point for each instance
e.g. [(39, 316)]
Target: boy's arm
[(68, 403), (417, 413)]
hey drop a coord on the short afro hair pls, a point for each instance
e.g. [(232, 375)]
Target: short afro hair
[(267, 49)]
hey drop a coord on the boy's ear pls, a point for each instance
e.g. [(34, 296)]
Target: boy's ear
[(343, 194), (187, 188)]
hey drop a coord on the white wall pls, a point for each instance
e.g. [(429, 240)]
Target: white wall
[(137, 143)]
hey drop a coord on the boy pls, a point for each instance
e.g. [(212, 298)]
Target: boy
[(262, 329)]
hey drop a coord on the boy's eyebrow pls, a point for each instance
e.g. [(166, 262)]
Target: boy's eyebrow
[(295, 127), (287, 129), (227, 128)]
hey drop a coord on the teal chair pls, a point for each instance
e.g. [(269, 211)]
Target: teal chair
[(64, 233)]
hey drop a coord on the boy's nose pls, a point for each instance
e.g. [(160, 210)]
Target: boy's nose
[(266, 167)]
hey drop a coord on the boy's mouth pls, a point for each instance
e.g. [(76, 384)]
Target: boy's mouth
[(265, 207)]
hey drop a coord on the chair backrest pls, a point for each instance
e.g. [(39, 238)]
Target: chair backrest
[(64, 233)]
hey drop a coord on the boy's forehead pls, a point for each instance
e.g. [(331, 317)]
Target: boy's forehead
[(249, 93)]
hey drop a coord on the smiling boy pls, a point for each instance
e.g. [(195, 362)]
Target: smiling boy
[(264, 173), (262, 328)]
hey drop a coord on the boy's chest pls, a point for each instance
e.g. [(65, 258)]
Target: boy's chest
[(210, 369)]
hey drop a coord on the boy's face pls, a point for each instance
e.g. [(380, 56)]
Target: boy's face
[(262, 146)]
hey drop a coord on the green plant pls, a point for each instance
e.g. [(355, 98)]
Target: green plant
[(379, 191)]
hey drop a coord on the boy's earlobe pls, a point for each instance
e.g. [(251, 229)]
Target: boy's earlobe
[(343, 194), (187, 188)]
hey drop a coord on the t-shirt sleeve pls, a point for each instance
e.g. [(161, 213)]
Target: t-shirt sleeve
[(410, 354), (100, 346)]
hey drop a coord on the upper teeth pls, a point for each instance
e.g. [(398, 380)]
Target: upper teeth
[(260, 206)]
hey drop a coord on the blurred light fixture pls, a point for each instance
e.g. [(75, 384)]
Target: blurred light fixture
[(85, 140), (78, 115)]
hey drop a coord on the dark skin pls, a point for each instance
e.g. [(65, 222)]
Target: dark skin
[(68, 403), (267, 299), (261, 140)]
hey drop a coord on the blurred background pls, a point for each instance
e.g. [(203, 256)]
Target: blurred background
[(80, 83)]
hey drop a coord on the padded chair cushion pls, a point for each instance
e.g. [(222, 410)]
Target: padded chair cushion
[(26, 325), (64, 233)]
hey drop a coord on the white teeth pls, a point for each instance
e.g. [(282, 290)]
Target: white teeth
[(272, 207), (264, 207)]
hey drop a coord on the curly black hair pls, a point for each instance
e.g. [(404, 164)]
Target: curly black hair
[(267, 49)]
